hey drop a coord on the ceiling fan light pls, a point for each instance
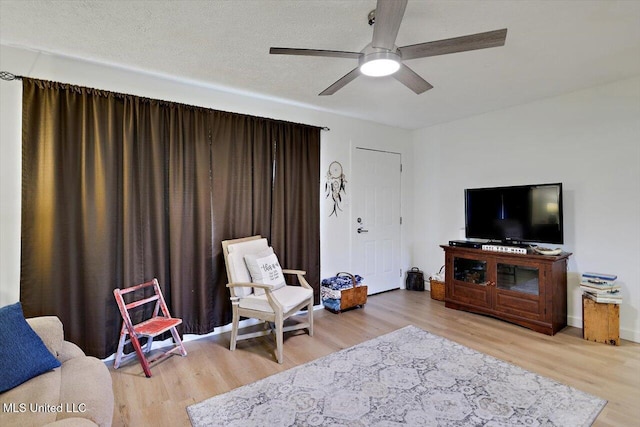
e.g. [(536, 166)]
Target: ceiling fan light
[(379, 64), (379, 67)]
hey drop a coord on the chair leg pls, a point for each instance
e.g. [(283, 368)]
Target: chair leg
[(121, 342), (279, 338), (234, 328), (141, 356), (310, 314), (148, 345), (178, 341)]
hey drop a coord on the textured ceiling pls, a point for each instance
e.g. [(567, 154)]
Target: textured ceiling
[(552, 47)]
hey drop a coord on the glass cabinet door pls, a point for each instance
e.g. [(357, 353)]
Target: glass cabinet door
[(470, 282), (470, 270), (518, 278)]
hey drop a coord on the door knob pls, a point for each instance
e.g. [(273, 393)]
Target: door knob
[(362, 230)]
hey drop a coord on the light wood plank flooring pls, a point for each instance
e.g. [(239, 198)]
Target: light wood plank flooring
[(612, 373)]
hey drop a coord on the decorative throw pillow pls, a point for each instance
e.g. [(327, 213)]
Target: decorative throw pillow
[(265, 268), (23, 355)]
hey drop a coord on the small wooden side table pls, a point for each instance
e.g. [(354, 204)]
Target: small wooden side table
[(600, 321)]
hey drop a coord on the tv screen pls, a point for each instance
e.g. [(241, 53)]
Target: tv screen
[(525, 213)]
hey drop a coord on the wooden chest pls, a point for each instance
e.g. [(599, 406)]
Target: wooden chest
[(600, 322)]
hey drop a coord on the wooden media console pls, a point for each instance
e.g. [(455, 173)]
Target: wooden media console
[(529, 290)]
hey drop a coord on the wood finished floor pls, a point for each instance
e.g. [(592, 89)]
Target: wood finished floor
[(612, 373)]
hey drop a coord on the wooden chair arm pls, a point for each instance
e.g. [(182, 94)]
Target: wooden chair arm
[(300, 274), (304, 282), (268, 290), (249, 284)]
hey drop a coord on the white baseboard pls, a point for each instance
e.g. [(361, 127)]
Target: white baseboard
[(574, 321)]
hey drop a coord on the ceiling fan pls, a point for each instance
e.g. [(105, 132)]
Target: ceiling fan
[(382, 57)]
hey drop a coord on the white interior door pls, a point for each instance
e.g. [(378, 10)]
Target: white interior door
[(376, 220)]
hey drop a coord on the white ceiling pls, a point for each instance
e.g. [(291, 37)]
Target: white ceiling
[(552, 47)]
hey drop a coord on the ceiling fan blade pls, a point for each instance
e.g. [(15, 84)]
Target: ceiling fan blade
[(389, 15), (342, 82), (457, 44), (410, 79), (314, 52)]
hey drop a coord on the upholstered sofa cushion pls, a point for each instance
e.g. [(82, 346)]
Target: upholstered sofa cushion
[(50, 330), (81, 387), (43, 389), (79, 380), (23, 355)]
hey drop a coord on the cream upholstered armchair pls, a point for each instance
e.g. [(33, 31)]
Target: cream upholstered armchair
[(258, 290)]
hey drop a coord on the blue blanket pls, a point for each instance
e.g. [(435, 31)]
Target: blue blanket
[(337, 283)]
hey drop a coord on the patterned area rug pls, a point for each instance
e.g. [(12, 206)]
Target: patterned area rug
[(408, 377)]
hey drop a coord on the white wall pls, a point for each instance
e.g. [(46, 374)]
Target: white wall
[(10, 182), (336, 144), (588, 140)]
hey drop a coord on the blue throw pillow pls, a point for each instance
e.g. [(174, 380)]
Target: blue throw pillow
[(23, 355)]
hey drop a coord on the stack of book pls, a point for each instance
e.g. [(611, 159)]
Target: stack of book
[(601, 288)]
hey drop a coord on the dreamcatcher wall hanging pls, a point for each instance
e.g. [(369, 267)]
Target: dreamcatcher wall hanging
[(335, 185)]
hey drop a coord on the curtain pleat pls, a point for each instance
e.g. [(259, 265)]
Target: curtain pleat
[(119, 189), (295, 229), (189, 218), (242, 163)]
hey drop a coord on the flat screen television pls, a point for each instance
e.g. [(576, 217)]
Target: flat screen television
[(517, 214)]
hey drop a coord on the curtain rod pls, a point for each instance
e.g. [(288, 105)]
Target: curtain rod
[(5, 75)]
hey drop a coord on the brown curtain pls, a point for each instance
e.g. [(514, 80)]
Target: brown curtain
[(119, 189), (188, 217), (242, 176), (295, 202)]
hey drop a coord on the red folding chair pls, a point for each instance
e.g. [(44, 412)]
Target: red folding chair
[(159, 323)]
